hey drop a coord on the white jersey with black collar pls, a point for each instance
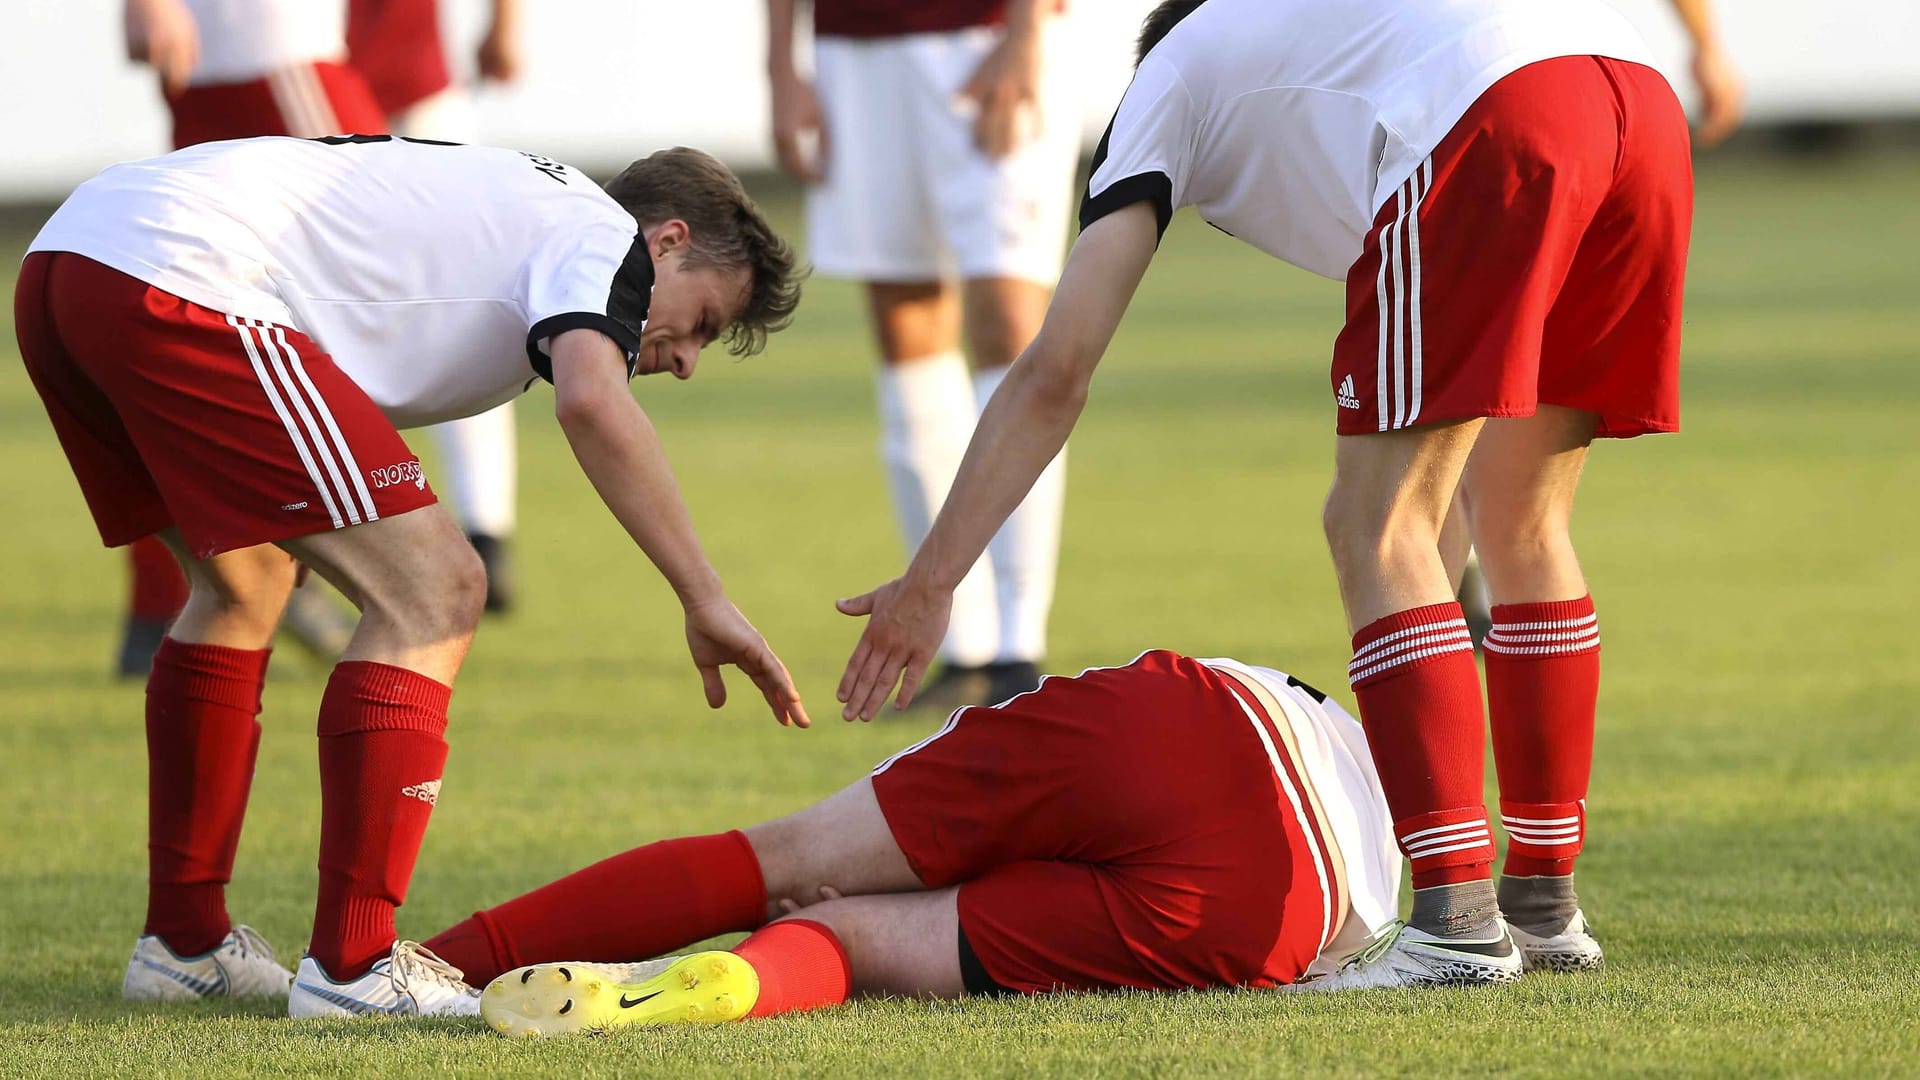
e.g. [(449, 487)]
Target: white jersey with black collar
[(1289, 123), (433, 274)]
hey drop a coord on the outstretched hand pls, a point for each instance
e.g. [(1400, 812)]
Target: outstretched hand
[(718, 634), (903, 632)]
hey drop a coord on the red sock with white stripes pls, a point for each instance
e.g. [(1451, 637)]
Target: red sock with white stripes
[(382, 751), (1419, 695), (202, 738), (633, 906), (1543, 678), (801, 965)]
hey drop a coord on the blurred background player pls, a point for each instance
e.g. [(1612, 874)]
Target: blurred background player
[(234, 69), (939, 141), (397, 48), (1720, 104)]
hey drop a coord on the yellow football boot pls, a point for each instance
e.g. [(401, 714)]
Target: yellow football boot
[(565, 999)]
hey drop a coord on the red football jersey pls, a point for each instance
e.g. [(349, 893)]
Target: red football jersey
[(395, 45), (890, 18)]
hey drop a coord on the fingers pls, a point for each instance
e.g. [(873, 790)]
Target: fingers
[(776, 685), (910, 681), (855, 664), (828, 892), (787, 148), (858, 605), (868, 690), (716, 689)]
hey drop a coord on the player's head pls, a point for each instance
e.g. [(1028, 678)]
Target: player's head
[(720, 271), (1164, 17)]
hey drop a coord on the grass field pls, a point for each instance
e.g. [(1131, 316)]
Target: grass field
[(1754, 862)]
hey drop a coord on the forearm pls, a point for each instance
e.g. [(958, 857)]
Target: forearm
[(781, 16), (1023, 18), (506, 14), (621, 454), (1698, 19)]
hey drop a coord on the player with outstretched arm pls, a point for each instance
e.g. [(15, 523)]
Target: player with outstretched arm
[(1506, 190), (1167, 824), (228, 338)]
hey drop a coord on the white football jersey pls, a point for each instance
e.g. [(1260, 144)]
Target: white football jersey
[(243, 40), (432, 273), (1289, 123), (1337, 765)]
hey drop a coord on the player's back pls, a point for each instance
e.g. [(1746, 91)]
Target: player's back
[(420, 267), (1289, 122)]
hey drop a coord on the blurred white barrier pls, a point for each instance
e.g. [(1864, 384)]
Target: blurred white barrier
[(609, 79)]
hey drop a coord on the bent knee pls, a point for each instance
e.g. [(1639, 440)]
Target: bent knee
[(441, 600)]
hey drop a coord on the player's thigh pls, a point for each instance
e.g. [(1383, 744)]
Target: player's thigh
[(870, 218), (841, 843), (1447, 304), (914, 320), (1002, 316), (907, 944), (1612, 340), (120, 493), (416, 568), (251, 433)]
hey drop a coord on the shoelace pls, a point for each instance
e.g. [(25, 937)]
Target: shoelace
[(413, 960), (1376, 946), (251, 943)]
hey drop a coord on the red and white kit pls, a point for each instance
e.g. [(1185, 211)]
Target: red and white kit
[(907, 194), (1170, 823), (272, 67), (226, 338), (1504, 186)]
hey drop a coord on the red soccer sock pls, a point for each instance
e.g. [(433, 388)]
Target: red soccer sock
[(801, 965), (202, 738), (159, 586), (381, 756), (1419, 694), (1543, 678), (633, 906)]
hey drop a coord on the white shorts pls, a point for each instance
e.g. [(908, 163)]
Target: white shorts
[(907, 195)]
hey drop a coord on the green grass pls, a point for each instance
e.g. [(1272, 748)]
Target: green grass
[(1755, 809)]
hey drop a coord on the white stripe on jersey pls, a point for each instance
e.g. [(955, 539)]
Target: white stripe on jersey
[(1309, 829), (280, 408)]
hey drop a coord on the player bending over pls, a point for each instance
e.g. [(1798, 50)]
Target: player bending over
[(1168, 824), (1505, 188), (226, 340)]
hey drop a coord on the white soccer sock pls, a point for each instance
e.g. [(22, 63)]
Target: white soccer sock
[(477, 455), (926, 418), (1026, 551)]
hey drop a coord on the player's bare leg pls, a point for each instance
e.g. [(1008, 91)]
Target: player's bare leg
[(1002, 315), (926, 400), (420, 589), (669, 894), (203, 735), (1417, 685), (1543, 669)]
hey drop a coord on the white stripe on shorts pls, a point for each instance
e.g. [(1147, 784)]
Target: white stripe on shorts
[(294, 432)]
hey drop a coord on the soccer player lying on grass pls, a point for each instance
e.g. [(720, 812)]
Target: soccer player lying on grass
[(226, 340), (1505, 188), (1168, 824)]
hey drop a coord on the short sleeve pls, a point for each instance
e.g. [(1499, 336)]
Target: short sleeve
[(1144, 155), (596, 277)]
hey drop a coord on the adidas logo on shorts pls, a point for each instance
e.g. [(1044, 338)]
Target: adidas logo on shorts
[(1345, 394), (427, 791)]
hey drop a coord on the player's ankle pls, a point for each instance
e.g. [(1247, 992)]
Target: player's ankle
[(1542, 905), (1456, 909)]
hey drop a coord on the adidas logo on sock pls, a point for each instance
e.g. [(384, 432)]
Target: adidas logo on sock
[(1345, 394), (427, 791)]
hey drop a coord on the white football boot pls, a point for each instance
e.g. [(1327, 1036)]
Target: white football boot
[(1572, 949), (241, 966), (1403, 956), (411, 981)]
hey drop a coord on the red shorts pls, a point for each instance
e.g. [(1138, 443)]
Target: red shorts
[(237, 431), (305, 100), (1536, 257), (1125, 828)]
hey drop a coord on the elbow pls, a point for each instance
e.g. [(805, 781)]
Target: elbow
[(577, 411), (1060, 386)]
